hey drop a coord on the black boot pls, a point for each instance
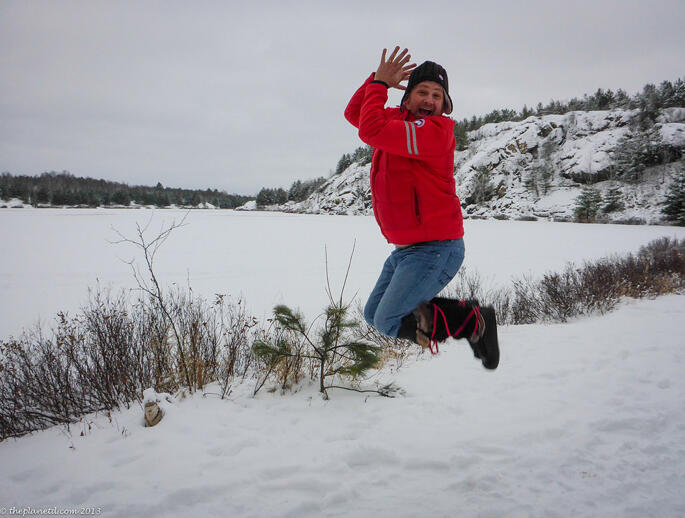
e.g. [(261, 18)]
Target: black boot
[(410, 331), (408, 328), (461, 319), (484, 342)]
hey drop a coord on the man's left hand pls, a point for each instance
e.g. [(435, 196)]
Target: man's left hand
[(395, 69)]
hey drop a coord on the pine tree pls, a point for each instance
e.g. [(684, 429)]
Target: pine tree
[(613, 201), (482, 188), (335, 351), (344, 162), (265, 197), (649, 104), (296, 191), (674, 205), (622, 99), (629, 157), (587, 205), (460, 135), (540, 177), (362, 155), (639, 150)]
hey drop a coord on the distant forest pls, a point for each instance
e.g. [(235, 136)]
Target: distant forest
[(649, 102), (52, 188)]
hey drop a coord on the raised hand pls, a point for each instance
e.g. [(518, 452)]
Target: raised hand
[(395, 69)]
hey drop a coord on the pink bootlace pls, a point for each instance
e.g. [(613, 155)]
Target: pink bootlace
[(433, 342)]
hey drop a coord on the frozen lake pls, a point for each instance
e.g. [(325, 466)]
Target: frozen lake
[(51, 257)]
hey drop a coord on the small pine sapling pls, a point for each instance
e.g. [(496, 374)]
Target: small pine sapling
[(333, 350)]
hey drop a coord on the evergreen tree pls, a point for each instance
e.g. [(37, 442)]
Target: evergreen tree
[(482, 188), (460, 135), (296, 191), (362, 155), (629, 161), (641, 149), (649, 104), (300, 190), (678, 93), (280, 196), (62, 197), (121, 197), (335, 351), (344, 162), (667, 94), (613, 201), (622, 100), (674, 205), (265, 197), (542, 171), (42, 195), (587, 205), (525, 112)]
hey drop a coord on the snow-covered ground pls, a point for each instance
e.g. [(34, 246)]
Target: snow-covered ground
[(584, 419), (50, 257)]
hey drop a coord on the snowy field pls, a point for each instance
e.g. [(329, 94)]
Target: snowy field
[(52, 256), (584, 419)]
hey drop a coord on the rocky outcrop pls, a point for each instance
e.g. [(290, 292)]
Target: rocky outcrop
[(535, 168)]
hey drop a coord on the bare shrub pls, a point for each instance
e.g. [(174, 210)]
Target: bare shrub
[(393, 351), (90, 363), (658, 268), (594, 287), (108, 353), (468, 284)]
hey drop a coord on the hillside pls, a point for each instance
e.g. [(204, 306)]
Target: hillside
[(536, 168)]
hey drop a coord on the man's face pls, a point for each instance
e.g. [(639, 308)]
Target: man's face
[(425, 99)]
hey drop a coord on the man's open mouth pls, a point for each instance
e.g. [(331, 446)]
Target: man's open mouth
[(425, 113)]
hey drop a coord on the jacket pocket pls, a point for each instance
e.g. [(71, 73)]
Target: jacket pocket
[(417, 206)]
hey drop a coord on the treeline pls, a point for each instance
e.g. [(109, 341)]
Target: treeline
[(591, 205), (298, 191), (52, 188), (649, 102), (361, 155)]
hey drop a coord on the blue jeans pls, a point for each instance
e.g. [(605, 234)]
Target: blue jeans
[(410, 276)]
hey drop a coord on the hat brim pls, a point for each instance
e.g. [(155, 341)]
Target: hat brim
[(447, 103)]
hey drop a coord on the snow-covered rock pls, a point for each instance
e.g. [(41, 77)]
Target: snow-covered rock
[(250, 205), (13, 203), (569, 151), (346, 193)]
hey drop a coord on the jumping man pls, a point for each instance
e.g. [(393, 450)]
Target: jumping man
[(417, 209)]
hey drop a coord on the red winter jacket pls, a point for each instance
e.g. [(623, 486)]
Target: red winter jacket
[(412, 169)]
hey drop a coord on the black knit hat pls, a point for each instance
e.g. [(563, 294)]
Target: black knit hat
[(429, 71)]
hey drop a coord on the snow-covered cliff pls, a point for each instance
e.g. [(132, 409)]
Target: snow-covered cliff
[(534, 168)]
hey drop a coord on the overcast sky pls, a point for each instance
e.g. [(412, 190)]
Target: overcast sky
[(238, 95)]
